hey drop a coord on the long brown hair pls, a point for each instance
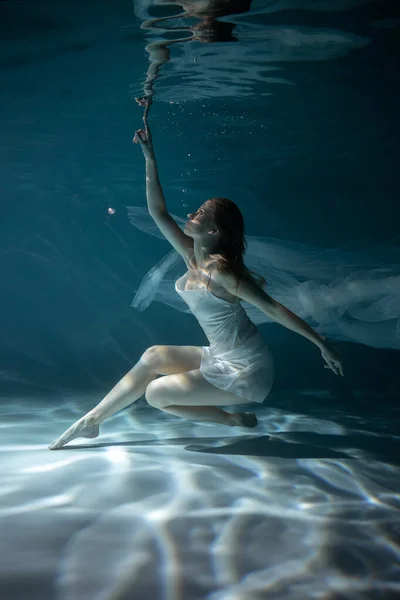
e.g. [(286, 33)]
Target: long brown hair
[(232, 243)]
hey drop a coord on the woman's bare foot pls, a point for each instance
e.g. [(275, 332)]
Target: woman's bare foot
[(85, 427), (245, 419)]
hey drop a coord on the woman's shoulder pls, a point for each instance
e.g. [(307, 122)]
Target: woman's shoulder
[(227, 280)]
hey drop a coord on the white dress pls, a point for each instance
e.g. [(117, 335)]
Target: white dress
[(237, 359)]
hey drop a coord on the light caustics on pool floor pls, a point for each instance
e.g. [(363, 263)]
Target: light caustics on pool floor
[(306, 507)]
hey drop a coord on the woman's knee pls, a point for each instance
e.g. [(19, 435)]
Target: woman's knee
[(152, 394), (170, 360), (152, 357)]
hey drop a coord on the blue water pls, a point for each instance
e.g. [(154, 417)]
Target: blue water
[(296, 119)]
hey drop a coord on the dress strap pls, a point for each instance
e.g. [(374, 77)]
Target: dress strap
[(209, 277)]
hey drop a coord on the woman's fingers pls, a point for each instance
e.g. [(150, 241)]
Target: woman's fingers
[(139, 137), (337, 368), (332, 367), (145, 101)]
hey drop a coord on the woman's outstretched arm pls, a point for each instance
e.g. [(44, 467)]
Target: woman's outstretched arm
[(156, 204), (249, 291)]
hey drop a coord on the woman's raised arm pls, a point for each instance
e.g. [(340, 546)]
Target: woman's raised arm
[(156, 204)]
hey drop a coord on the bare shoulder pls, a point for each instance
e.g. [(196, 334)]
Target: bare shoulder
[(246, 289), (227, 281)]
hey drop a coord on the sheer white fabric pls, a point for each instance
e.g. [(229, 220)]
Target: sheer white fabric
[(346, 294)]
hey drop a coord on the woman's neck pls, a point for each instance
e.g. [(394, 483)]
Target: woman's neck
[(202, 254)]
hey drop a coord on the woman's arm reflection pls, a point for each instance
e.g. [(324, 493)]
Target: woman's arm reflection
[(208, 30)]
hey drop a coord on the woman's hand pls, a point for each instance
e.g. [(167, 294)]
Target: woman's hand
[(332, 358), (143, 136)]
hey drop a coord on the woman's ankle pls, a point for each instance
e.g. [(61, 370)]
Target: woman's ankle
[(93, 418)]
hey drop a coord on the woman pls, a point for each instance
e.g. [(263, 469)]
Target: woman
[(237, 367)]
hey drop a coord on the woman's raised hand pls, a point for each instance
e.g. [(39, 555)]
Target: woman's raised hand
[(143, 136)]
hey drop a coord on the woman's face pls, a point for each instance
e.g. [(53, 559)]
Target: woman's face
[(200, 222)]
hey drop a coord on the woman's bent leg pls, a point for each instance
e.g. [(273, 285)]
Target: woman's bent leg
[(129, 389), (190, 396), (157, 360)]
